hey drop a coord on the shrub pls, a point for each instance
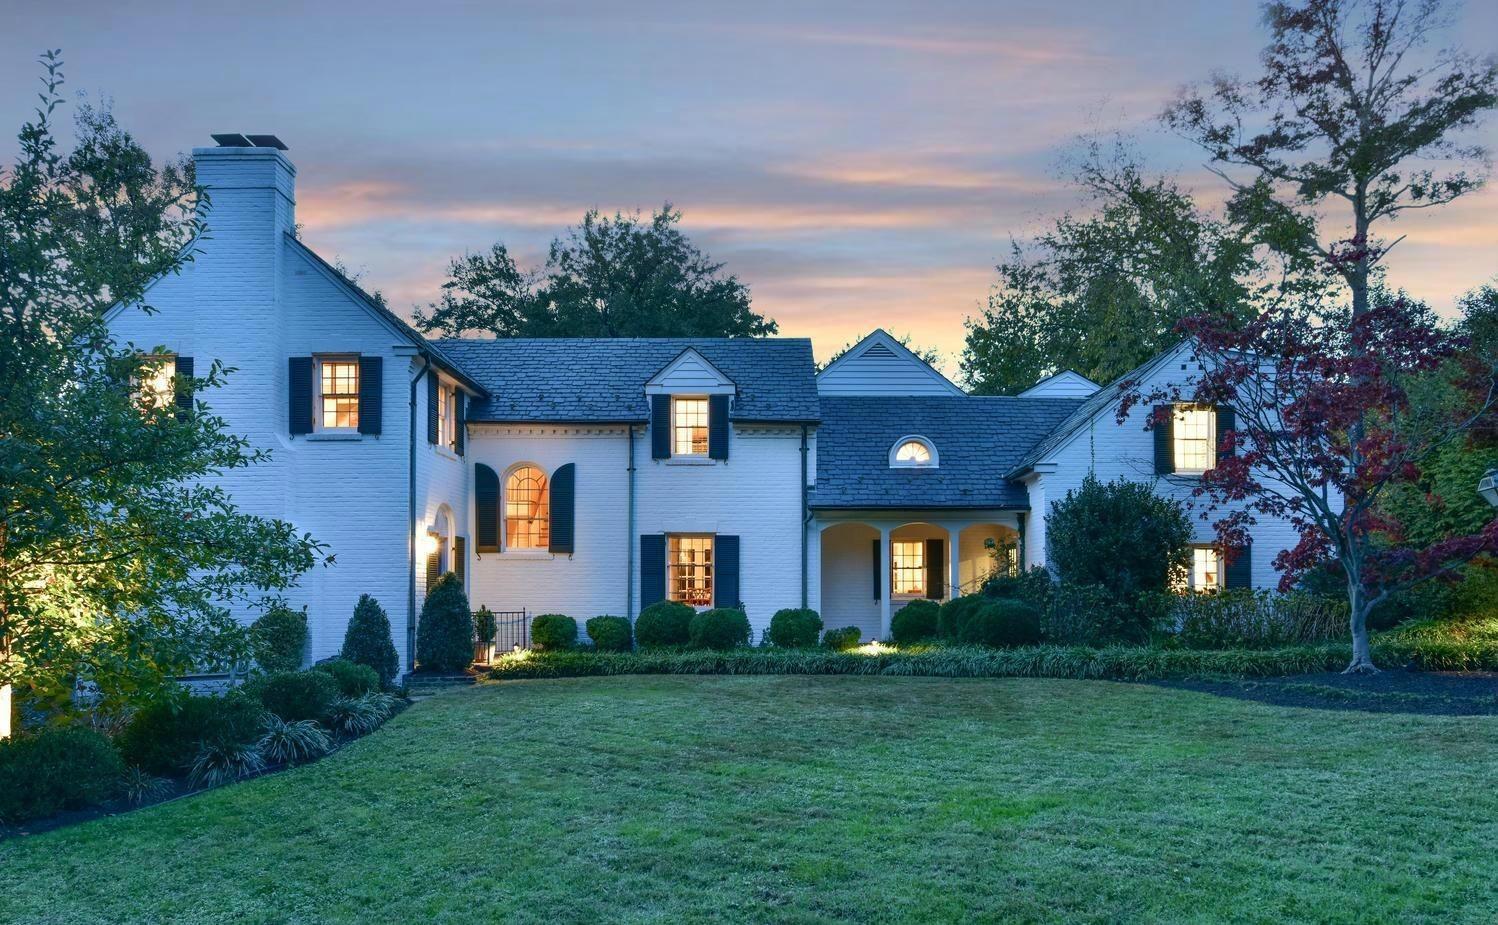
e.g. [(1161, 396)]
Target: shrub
[(842, 640), (58, 768), (355, 716), (279, 638), (719, 628), (1120, 535), (484, 626), (368, 641), (164, 737), (610, 634), (296, 695), (915, 622), (444, 637), (954, 614), (1033, 585), (142, 787), (551, 632), (352, 678), (293, 742), (1244, 618), (222, 762), (795, 628), (1002, 622), (664, 623), (1093, 615)]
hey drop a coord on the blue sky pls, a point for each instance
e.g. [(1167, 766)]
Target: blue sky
[(857, 164)]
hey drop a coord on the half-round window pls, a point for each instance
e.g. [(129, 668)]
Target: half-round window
[(527, 509), (913, 453)]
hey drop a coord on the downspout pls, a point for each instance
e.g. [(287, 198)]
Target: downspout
[(411, 521), (629, 539), (805, 516)]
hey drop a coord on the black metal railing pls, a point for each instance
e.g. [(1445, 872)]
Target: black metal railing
[(512, 630)]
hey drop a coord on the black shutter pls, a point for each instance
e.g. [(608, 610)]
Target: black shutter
[(486, 507), (936, 586), (371, 394), (660, 427), (717, 426), (878, 572), (460, 416), (432, 574), (184, 386), (563, 508), (726, 572), (299, 395), (1227, 422), (652, 568), (432, 421), (460, 552), (1240, 567), (1164, 429)]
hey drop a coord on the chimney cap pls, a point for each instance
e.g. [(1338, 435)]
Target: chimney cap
[(236, 140)]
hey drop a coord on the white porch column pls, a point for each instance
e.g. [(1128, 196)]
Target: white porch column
[(5, 711), (954, 535), (884, 583)]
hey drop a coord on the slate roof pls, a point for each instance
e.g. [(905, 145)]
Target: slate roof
[(580, 380), (978, 439)]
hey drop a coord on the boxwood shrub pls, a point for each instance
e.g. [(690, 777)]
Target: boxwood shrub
[(915, 622), (551, 632), (368, 641), (610, 634), (1002, 622), (842, 640), (295, 695), (954, 614), (164, 737), (664, 623), (720, 628), (66, 767), (795, 628), (279, 638), (444, 637), (353, 679)]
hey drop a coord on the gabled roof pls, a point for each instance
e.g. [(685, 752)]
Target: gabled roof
[(583, 380), (977, 438), (882, 353), (1066, 384)]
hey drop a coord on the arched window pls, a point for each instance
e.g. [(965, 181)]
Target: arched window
[(912, 453), (527, 509)]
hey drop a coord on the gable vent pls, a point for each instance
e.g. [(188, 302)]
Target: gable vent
[(879, 350)]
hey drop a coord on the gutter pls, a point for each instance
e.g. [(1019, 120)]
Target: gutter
[(411, 522), (805, 516)]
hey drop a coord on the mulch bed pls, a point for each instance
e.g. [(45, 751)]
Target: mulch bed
[(1448, 693)]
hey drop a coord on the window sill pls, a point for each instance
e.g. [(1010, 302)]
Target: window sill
[(523, 554), (335, 436), (445, 453), (691, 461)]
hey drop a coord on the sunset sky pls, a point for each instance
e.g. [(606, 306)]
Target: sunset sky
[(857, 164)]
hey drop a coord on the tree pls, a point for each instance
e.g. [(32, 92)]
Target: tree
[(1148, 538), (444, 634), (928, 355), (119, 558), (607, 277)]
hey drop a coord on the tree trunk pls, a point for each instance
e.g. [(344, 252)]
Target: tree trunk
[(1362, 656)]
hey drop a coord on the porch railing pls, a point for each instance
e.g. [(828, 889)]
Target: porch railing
[(512, 630)]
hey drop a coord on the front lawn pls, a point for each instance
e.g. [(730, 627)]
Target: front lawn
[(786, 798)]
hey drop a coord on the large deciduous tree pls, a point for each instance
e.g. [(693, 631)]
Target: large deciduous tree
[(623, 276), (118, 556)]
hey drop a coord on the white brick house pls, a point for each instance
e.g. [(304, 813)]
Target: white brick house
[(593, 477)]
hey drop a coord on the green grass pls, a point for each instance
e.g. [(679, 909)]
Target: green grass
[(803, 799)]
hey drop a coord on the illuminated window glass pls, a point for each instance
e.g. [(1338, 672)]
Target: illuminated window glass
[(908, 559), (447, 417), (690, 568), (527, 509), (340, 393), (156, 381), (914, 452), (689, 427), (1195, 433), (1206, 569)]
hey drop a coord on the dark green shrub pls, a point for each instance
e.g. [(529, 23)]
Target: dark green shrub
[(279, 638), (842, 640), (353, 679), (484, 626), (1243, 618), (164, 737), (1120, 535), (444, 637), (954, 614), (1092, 615), (295, 695), (720, 628), (610, 634), (58, 768), (795, 628), (664, 623), (551, 632), (1033, 585), (1002, 622), (915, 622), (368, 641)]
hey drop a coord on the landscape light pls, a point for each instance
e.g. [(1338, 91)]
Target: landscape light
[(1487, 486)]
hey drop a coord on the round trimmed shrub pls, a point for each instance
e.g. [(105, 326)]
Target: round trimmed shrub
[(297, 695), (279, 638), (610, 634), (842, 640), (1002, 622), (65, 767), (353, 679), (444, 637), (164, 737), (955, 613), (720, 628), (368, 640), (795, 628), (553, 632), (664, 623), (484, 626), (915, 622), (1147, 537)]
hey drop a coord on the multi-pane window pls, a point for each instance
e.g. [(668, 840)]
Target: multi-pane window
[(156, 381), (447, 417), (1195, 438), (690, 570), (339, 391), (689, 427), (1206, 569), (908, 560), (913, 453), (527, 509)]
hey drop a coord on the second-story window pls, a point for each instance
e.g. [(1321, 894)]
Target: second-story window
[(1195, 438), (156, 381), (689, 427), (447, 417), (338, 379)]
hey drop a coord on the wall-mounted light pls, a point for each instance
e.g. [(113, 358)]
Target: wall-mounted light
[(428, 544), (1487, 486)]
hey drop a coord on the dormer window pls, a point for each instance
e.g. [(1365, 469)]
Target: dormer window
[(689, 426), (913, 453)]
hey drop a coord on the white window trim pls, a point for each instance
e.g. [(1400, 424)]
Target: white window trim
[(712, 568), (522, 552), (1211, 413), (149, 378), (708, 425), (894, 570), (932, 463), (317, 412)]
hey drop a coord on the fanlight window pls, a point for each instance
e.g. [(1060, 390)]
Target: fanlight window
[(913, 453), (527, 509)]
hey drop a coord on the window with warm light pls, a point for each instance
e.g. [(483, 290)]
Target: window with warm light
[(156, 381), (338, 393), (689, 427), (1206, 569), (527, 509), (690, 570), (913, 453), (908, 562), (447, 417), (1194, 434)]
